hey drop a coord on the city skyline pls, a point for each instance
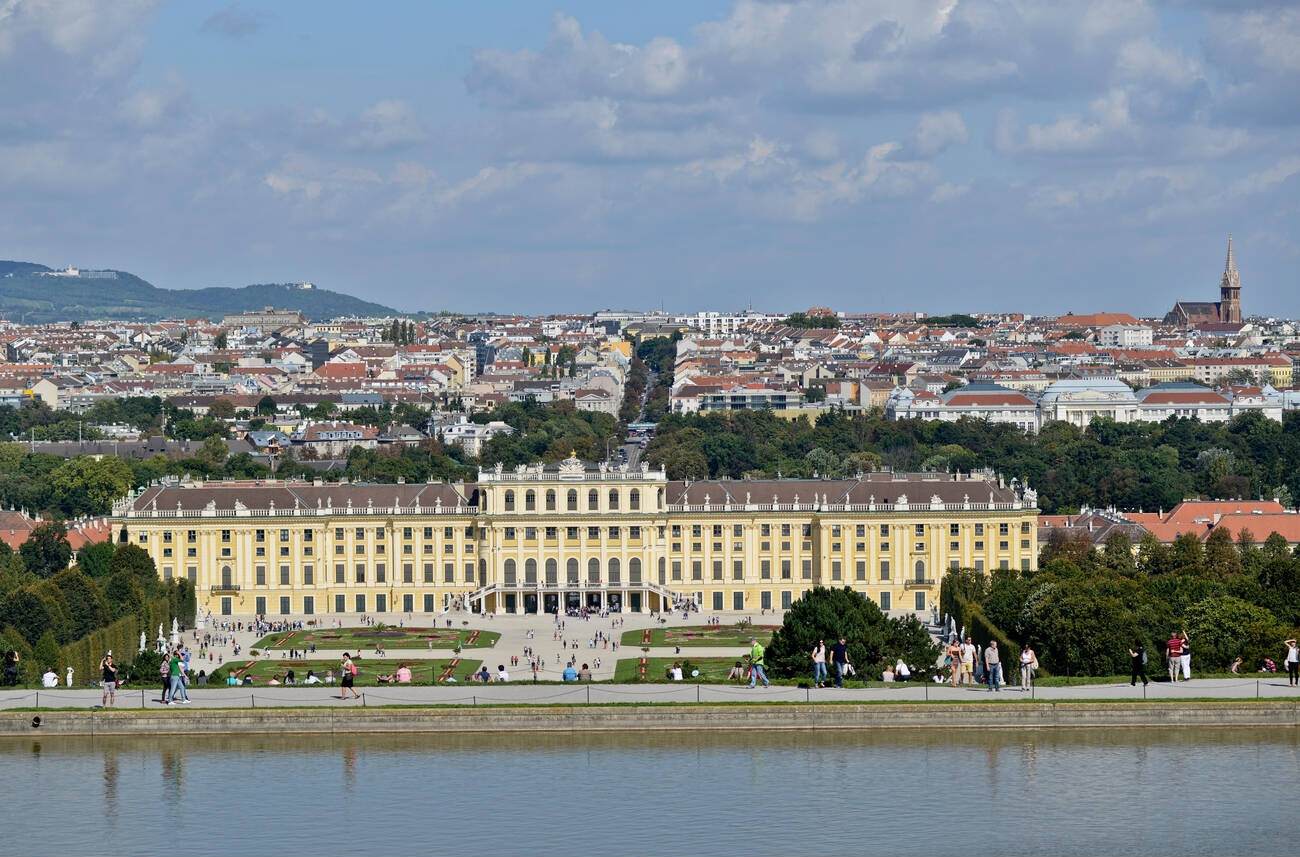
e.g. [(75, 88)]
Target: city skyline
[(931, 156)]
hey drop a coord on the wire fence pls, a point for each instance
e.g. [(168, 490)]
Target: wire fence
[(527, 693)]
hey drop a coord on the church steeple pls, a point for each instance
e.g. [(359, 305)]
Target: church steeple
[(1230, 290)]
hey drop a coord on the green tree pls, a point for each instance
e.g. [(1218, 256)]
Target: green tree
[(46, 654), (26, 612), (266, 407), (1222, 558), (123, 595), (828, 614), (94, 559), (221, 409), (135, 562), (88, 486), (46, 551), (1221, 629), (85, 603), (221, 341), (213, 453)]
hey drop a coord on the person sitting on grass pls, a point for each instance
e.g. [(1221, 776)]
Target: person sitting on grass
[(290, 678), (569, 674), (311, 678), (888, 675), (483, 675), (584, 674), (403, 674), (1236, 666), (737, 672)]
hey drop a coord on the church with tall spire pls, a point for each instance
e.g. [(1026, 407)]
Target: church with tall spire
[(1227, 310)]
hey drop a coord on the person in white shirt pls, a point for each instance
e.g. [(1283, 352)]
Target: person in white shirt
[(311, 678), (502, 675), (50, 679), (901, 671)]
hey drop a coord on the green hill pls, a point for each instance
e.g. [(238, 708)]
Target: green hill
[(28, 294)]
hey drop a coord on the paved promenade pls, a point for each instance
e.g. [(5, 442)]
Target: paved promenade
[(527, 693)]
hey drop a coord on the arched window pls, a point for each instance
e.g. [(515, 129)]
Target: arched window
[(571, 572), (593, 500), (510, 578), (593, 571), (614, 571), (920, 569), (634, 570), (573, 500), (530, 501), (552, 572), (613, 498), (530, 572), (634, 500), (510, 501), (226, 582), (550, 501)]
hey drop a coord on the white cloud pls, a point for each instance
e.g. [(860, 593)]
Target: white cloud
[(387, 124), (937, 131)]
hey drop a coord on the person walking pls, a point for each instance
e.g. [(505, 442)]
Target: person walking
[(108, 674), (756, 667), (1292, 663), (1138, 664), (1185, 659), (1028, 666), (967, 662), (349, 671), (819, 663), (840, 657), (952, 658), (1174, 656), (176, 680), (993, 666)]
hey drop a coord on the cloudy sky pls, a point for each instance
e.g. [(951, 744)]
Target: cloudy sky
[(936, 155)]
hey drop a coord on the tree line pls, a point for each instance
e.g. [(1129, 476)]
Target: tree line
[(1133, 466), (1085, 608)]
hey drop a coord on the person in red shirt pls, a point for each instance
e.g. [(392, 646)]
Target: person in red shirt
[(1174, 654)]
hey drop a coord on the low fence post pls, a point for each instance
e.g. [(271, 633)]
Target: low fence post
[(142, 697), (252, 701), (1257, 688), (38, 700)]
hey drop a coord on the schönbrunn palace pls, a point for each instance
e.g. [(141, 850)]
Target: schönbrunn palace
[(542, 538)]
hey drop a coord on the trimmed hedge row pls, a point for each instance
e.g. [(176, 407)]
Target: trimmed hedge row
[(123, 636)]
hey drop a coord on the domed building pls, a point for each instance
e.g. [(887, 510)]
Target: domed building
[(1079, 401)]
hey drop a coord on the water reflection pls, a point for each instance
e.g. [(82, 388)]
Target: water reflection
[(886, 791)]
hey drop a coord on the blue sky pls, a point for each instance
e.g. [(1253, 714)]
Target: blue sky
[(935, 155)]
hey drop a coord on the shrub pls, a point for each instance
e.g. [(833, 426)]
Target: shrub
[(828, 614), (1221, 629)]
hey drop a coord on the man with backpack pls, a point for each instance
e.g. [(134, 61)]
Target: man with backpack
[(349, 671), (1138, 658)]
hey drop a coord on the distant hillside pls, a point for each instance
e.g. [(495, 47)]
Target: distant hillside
[(28, 293)]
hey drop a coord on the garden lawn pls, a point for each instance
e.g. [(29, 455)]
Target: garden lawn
[(369, 669), (392, 637), (712, 670), (700, 635)]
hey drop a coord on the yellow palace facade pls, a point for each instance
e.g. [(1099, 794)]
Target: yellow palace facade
[(560, 537)]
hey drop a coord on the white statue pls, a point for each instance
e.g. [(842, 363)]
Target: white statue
[(69, 676), (143, 641)]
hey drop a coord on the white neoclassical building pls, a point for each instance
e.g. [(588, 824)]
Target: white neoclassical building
[(1080, 401)]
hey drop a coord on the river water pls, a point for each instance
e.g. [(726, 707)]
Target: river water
[(960, 792)]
